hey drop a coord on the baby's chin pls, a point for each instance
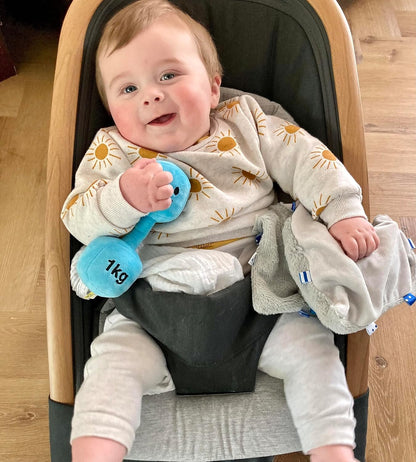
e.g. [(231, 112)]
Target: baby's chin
[(176, 147), (165, 143)]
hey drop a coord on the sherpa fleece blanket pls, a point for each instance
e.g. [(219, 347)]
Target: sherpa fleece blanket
[(299, 265)]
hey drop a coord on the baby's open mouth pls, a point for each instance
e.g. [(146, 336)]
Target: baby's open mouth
[(162, 120)]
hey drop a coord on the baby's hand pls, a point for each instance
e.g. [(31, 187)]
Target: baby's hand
[(146, 186), (356, 236)]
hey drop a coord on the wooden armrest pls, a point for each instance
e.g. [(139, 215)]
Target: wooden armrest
[(347, 91), (354, 153), (59, 176)]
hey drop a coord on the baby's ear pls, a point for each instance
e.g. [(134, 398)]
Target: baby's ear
[(215, 91)]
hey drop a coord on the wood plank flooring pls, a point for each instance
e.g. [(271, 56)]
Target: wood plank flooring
[(24, 121), (384, 34)]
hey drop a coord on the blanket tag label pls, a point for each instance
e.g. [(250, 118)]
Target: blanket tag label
[(252, 259), (409, 299), (307, 313), (371, 328), (258, 238), (305, 277)]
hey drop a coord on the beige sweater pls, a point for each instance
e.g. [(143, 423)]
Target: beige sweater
[(232, 172)]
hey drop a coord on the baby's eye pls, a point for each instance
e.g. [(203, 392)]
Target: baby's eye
[(167, 76), (130, 89)]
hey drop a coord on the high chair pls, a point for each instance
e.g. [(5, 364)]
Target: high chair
[(298, 53)]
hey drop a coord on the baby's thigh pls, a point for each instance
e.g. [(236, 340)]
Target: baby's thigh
[(294, 342), (125, 348)]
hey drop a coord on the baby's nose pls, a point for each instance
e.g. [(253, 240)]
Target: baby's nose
[(152, 96), (147, 101)]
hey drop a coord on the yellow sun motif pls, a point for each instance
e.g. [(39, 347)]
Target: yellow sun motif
[(92, 189), (319, 207), (138, 153), (199, 185), (253, 179), (119, 232), (289, 132), (82, 198), (324, 158), (229, 108), (160, 234), (224, 216), (260, 121), (69, 206), (101, 152), (224, 144), (202, 139)]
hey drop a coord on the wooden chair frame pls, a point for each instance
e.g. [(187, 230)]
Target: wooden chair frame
[(59, 177)]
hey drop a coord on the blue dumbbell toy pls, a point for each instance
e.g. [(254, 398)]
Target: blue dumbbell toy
[(108, 266)]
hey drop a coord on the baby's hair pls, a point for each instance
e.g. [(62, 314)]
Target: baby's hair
[(139, 15)]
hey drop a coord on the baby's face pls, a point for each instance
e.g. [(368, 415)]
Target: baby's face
[(158, 90)]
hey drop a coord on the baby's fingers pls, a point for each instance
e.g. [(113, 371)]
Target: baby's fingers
[(161, 179), (162, 204), (372, 242), (361, 245), (351, 248), (143, 162), (161, 190), (164, 192)]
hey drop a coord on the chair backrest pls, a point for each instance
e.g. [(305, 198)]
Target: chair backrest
[(297, 53), (272, 48)]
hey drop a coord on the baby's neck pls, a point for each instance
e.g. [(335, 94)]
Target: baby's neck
[(204, 137)]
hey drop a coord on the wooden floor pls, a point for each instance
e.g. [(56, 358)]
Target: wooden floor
[(24, 118), (384, 34), (385, 41)]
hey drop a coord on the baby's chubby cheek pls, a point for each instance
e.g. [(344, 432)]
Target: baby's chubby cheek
[(130, 128), (120, 118)]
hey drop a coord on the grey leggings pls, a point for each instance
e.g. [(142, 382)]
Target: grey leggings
[(299, 350)]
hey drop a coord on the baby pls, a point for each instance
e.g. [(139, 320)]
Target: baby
[(159, 76)]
